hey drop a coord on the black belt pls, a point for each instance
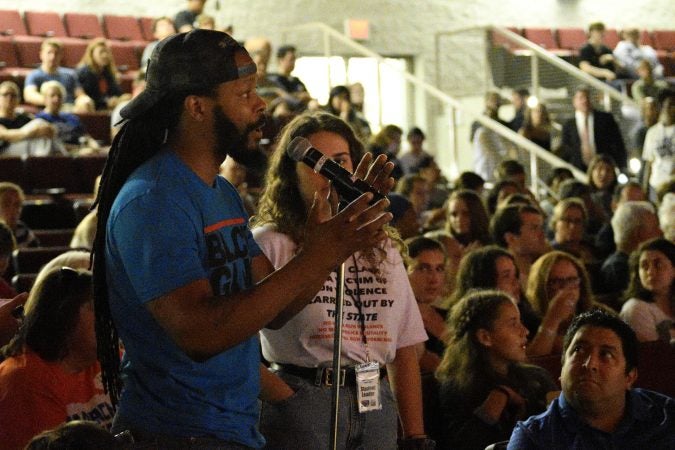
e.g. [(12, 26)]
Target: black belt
[(321, 376)]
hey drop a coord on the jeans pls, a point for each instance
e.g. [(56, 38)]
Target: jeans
[(303, 421)]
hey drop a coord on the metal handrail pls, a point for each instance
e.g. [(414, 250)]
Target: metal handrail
[(535, 150)]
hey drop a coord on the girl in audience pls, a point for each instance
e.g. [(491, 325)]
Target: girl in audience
[(426, 272), (602, 178), (493, 267), (340, 104), (11, 204), (537, 126), (98, 75), (568, 223), (388, 142), (381, 317), (485, 385), (650, 305), (50, 374), (558, 289), (467, 219)]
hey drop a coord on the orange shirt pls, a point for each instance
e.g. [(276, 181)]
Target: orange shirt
[(36, 395)]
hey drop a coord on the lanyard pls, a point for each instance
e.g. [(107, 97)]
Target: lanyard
[(357, 302)]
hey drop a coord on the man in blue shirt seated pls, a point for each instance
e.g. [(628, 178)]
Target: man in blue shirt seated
[(597, 408)]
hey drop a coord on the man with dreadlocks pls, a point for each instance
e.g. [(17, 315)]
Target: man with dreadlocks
[(177, 272)]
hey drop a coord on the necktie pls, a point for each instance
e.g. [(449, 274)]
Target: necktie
[(586, 150)]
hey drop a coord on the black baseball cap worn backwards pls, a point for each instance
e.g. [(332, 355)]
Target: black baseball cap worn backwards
[(185, 62)]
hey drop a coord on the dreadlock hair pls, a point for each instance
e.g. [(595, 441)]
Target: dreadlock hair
[(138, 140), (465, 362)]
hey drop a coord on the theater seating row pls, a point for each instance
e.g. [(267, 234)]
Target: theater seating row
[(69, 174)]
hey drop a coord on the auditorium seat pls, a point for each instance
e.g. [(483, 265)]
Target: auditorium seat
[(28, 50), (11, 23), (97, 125), (122, 28), (126, 55), (10, 69), (664, 40), (541, 36), (45, 24), (31, 260), (11, 169), (499, 40), (571, 38), (146, 28), (90, 167), (23, 282), (51, 172), (73, 52), (48, 214), (83, 26), (646, 38), (54, 238), (611, 38)]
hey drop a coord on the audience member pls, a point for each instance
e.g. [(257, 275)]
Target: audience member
[(558, 289), (302, 349), (386, 142), (501, 190), (568, 223), (590, 132), (294, 91), (205, 22), (596, 59), (650, 298), (597, 407), (427, 274), (75, 435), (633, 223), (416, 189), (70, 130), (340, 104), (7, 246), (185, 19), (11, 313), (235, 173), (604, 239), (520, 229), (97, 75), (602, 179), (51, 52), (470, 180), (649, 115), (537, 126), (492, 267), (595, 215), (557, 176), (512, 170), (519, 99), (493, 101), (667, 216), (85, 232), (467, 220), (646, 85), (485, 385), (404, 217), (20, 133), (629, 54), (489, 148), (50, 374), (11, 204), (439, 189), (411, 159), (358, 95), (659, 148), (162, 27)]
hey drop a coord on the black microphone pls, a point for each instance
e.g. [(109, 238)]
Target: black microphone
[(347, 186)]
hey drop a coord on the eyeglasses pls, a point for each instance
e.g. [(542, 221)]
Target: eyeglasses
[(564, 282)]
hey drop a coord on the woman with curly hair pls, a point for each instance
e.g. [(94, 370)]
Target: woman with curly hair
[(485, 385), (650, 297), (558, 289), (98, 75), (382, 323)]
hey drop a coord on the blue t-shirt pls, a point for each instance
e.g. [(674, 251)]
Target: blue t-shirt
[(69, 126), (67, 77), (649, 422), (167, 228)]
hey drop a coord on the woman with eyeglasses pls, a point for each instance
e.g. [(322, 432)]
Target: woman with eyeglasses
[(568, 224), (50, 374), (558, 289)]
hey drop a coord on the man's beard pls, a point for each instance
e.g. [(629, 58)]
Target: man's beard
[(230, 141)]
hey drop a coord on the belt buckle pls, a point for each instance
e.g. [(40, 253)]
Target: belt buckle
[(328, 376)]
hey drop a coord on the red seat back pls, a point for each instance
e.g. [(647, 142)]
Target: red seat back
[(45, 24), (664, 40), (571, 38), (11, 23), (73, 50), (146, 28), (122, 28), (28, 50), (611, 38), (85, 26), (542, 37), (7, 53)]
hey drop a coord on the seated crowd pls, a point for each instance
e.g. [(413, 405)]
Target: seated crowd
[(500, 276)]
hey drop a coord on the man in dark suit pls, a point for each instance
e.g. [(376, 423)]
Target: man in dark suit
[(590, 132)]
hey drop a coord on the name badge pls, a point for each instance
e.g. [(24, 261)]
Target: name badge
[(368, 386)]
